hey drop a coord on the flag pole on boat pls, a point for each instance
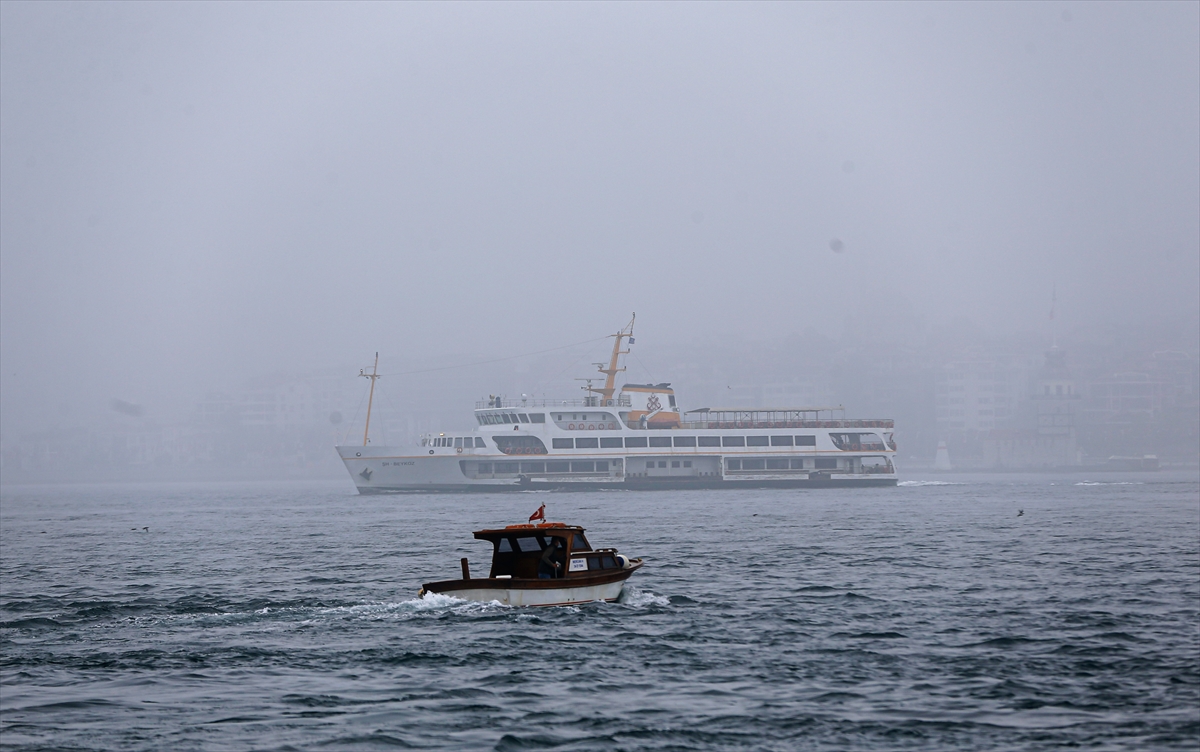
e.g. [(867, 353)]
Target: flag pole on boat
[(374, 374)]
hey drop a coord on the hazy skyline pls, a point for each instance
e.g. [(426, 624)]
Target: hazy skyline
[(193, 194)]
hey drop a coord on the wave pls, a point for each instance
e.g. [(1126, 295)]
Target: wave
[(920, 483), (1110, 483)]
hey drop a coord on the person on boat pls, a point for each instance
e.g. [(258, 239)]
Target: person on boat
[(550, 564)]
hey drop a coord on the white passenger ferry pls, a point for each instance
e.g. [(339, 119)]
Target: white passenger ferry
[(634, 438)]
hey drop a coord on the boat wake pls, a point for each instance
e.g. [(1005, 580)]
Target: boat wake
[(635, 598), (432, 602), (920, 483)]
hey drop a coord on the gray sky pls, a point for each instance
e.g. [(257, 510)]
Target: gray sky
[(196, 193)]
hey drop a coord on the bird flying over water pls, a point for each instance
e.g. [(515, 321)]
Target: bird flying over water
[(1020, 512)]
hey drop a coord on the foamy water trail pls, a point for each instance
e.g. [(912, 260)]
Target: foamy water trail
[(1110, 483)]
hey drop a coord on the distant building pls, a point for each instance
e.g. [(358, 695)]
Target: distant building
[(1043, 434), (1150, 410), (976, 395)]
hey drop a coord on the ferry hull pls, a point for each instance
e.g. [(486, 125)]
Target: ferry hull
[(381, 470)]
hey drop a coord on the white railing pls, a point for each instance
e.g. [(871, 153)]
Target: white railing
[(502, 403)]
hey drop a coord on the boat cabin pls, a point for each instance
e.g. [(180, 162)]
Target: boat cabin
[(521, 552)]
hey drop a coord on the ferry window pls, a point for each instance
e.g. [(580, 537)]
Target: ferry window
[(806, 441), (480, 419), (798, 464), (671, 400), (687, 463), (733, 464), (733, 441), (529, 545), (479, 443), (662, 463), (827, 463), (753, 464), (512, 418), (608, 562), (579, 544), (660, 441), (558, 417), (781, 441), (610, 442), (505, 546), (506, 467), (649, 465), (593, 562), (533, 467), (558, 467), (777, 464), (758, 440), (674, 463), (563, 443), (485, 468), (635, 441), (537, 417), (505, 418), (458, 442), (602, 466), (710, 441), (582, 443), (583, 467), (685, 441), (524, 418)]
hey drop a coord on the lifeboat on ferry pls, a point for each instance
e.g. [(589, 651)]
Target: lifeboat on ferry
[(543, 564)]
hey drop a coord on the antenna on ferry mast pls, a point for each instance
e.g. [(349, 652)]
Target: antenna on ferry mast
[(610, 373), (374, 374)]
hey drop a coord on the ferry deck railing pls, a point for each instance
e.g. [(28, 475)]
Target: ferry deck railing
[(522, 404)]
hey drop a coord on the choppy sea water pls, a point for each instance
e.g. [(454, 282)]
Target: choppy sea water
[(927, 616)]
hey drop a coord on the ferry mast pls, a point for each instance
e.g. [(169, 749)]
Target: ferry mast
[(610, 373), (374, 374)]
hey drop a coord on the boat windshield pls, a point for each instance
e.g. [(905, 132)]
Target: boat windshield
[(530, 544)]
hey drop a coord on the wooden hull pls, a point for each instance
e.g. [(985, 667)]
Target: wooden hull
[(523, 592)]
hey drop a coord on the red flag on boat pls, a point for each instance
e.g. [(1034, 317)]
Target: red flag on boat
[(540, 514)]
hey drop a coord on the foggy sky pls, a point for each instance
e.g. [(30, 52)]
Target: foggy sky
[(193, 194)]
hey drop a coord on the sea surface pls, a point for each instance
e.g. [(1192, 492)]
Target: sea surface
[(933, 615)]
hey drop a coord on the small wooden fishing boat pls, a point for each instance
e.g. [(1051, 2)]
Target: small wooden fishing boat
[(544, 564)]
